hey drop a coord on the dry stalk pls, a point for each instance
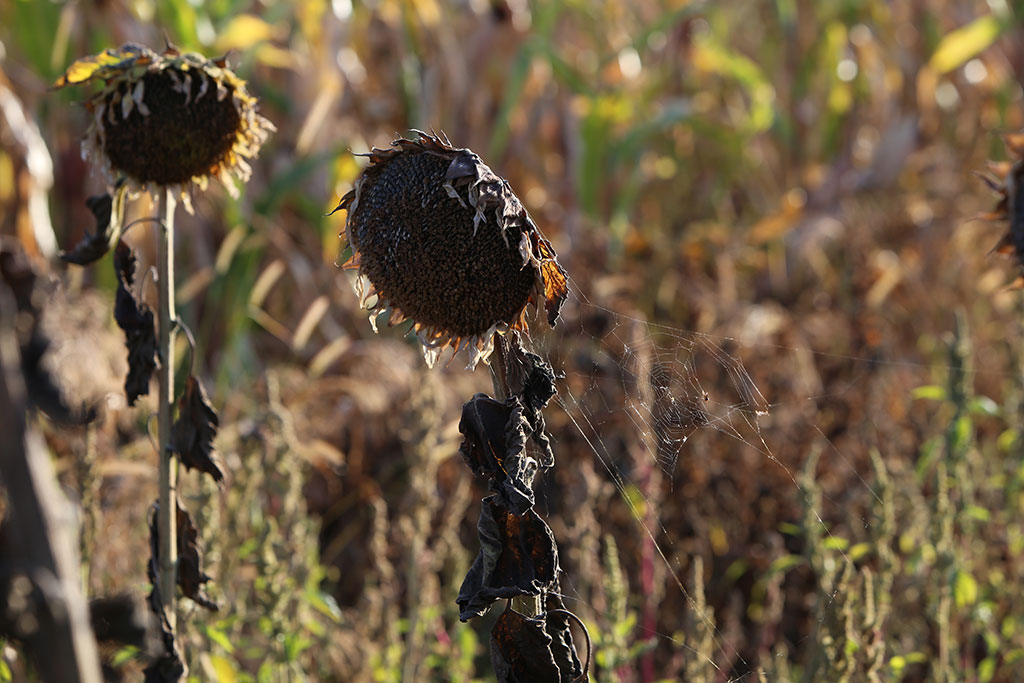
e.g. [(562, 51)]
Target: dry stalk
[(168, 472)]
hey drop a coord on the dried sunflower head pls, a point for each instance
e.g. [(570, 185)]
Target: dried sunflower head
[(438, 238), (168, 120), (1009, 184)]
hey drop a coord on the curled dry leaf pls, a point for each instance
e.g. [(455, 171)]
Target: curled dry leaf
[(517, 556), (190, 573), (533, 381), (167, 667), (190, 561), (533, 649), (109, 213), (136, 319), (495, 447), (194, 430), (520, 650)]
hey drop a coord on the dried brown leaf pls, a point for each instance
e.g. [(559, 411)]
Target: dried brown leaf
[(194, 430), (517, 556), (109, 213), (136, 319)]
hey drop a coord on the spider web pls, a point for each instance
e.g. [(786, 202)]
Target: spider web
[(667, 387)]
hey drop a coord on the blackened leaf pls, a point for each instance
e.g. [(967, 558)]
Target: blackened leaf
[(557, 626), (521, 650), (137, 322), (167, 667), (495, 447), (517, 556), (109, 213), (533, 381), (194, 430), (190, 572)]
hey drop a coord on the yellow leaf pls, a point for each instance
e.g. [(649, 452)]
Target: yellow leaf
[(965, 589), (223, 669), (958, 46)]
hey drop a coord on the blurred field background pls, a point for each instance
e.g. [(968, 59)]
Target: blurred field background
[(791, 178)]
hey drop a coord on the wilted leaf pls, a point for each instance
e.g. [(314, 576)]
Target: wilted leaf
[(517, 556), (533, 381), (520, 650), (194, 430), (109, 213), (137, 322), (495, 447), (190, 573)]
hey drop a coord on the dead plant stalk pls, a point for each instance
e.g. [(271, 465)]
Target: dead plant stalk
[(168, 474)]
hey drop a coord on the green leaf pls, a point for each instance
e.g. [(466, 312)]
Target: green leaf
[(958, 46), (326, 605), (791, 529), (986, 670), (859, 550), (932, 392), (785, 563), (221, 638), (5, 672), (984, 405), (965, 589), (125, 654), (836, 543), (977, 512)]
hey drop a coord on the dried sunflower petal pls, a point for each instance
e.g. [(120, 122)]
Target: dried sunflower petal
[(438, 238)]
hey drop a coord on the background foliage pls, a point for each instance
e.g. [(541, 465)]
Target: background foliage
[(792, 175)]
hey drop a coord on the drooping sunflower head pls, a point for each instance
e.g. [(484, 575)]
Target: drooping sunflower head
[(438, 238), (1008, 183), (168, 120)]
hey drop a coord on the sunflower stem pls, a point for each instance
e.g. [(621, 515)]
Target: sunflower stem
[(524, 604), (168, 474)]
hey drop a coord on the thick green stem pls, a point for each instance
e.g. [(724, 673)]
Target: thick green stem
[(168, 474)]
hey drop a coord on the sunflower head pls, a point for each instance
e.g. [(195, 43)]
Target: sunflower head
[(438, 238), (168, 120), (1008, 183)]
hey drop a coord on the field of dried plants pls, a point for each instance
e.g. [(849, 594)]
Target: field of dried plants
[(779, 195)]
